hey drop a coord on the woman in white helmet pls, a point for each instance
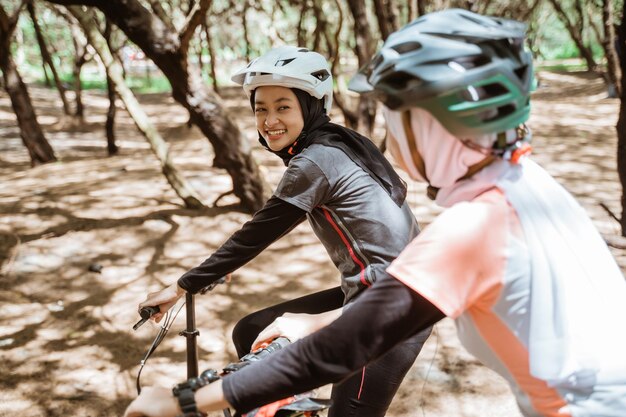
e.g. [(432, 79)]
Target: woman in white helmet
[(354, 201), (534, 291)]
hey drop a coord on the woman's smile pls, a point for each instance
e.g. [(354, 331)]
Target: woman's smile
[(275, 134)]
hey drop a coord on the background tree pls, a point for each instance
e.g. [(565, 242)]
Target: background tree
[(608, 41), (158, 145), (182, 37), (38, 147), (621, 121), (573, 18), (47, 59), (81, 57), (168, 49)]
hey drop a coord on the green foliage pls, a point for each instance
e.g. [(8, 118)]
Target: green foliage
[(272, 22), (95, 81)]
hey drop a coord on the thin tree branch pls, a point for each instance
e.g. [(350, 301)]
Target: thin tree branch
[(10, 22), (158, 10), (194, 19)]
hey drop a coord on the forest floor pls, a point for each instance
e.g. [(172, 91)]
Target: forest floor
[(66, 343)]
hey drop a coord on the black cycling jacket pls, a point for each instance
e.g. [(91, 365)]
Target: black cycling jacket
[(364, 332)]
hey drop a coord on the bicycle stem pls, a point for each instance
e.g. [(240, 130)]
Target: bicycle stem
[(191, 333)]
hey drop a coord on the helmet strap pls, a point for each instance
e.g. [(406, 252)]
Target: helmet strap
[(473, 169), (417, 159)]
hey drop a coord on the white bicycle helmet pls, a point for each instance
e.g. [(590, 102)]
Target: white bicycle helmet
[(292, 67)]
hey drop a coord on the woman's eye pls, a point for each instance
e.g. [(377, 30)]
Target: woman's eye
[(283, 108), (259, 110)]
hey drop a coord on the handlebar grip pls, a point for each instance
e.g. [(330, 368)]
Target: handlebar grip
[(147, 312)]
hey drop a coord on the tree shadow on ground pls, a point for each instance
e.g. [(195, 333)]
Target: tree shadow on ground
[(66, 343)]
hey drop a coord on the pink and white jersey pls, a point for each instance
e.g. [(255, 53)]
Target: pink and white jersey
[(473, 263)]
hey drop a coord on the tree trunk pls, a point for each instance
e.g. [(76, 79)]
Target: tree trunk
[(33, 138), (300, 29), (47, 59), (608, 44), (81, 57), (158, 145), (387, 15), (351, 117), (246, 36), (112, 148), (421, 7), (168, 51), (367, 107), (209, 42), (575, 30), (621, 121)]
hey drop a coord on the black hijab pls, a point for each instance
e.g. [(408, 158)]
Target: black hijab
[(318, 129)]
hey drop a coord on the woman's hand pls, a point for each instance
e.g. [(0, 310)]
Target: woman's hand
[(160, 402), (295, 326), (154, 402), (164, 299)]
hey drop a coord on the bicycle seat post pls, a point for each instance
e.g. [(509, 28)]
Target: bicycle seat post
[(191, 333)]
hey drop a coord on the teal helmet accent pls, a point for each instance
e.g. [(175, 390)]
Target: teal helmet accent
[(470, 71)]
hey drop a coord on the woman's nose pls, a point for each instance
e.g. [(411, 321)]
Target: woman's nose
[(271, 120)]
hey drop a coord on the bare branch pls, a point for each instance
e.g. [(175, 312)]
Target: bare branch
[(196, 16), (10, 22), (158, 10)]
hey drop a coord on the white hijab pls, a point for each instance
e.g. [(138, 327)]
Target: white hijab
[(578, 294)]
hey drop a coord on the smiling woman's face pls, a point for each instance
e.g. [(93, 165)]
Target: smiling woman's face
[(278, 116)]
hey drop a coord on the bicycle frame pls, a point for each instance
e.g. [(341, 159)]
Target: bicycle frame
[(191, 333)]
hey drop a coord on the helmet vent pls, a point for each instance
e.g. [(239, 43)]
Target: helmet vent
[(283, 62), (521, 72), (303, 50), (401, 81), (474, 20), (495, 90), (407, 47), (321, 75), (478, 93), (469, 62)]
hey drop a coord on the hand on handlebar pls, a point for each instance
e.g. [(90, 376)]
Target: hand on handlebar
[(295, 326), (164, 299)]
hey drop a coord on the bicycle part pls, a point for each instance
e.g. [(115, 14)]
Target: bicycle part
[(301, 405), (146, 313), (166, 323), (277, 344), (191, 333)]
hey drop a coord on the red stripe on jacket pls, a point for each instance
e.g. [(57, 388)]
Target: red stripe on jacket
[(345, 241)]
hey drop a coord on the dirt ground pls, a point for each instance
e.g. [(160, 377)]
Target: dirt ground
[(66, 343)]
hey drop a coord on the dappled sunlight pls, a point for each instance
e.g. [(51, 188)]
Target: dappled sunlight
[(89, 236)]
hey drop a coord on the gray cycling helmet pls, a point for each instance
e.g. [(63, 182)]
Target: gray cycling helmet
[(470, 71)]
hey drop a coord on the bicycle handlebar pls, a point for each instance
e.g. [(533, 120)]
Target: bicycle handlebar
[(147, 312)]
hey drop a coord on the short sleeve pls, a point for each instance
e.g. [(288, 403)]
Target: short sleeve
[(303, 184), (458, 261)]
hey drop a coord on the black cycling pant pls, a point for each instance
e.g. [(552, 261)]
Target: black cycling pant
[(367, 393)]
